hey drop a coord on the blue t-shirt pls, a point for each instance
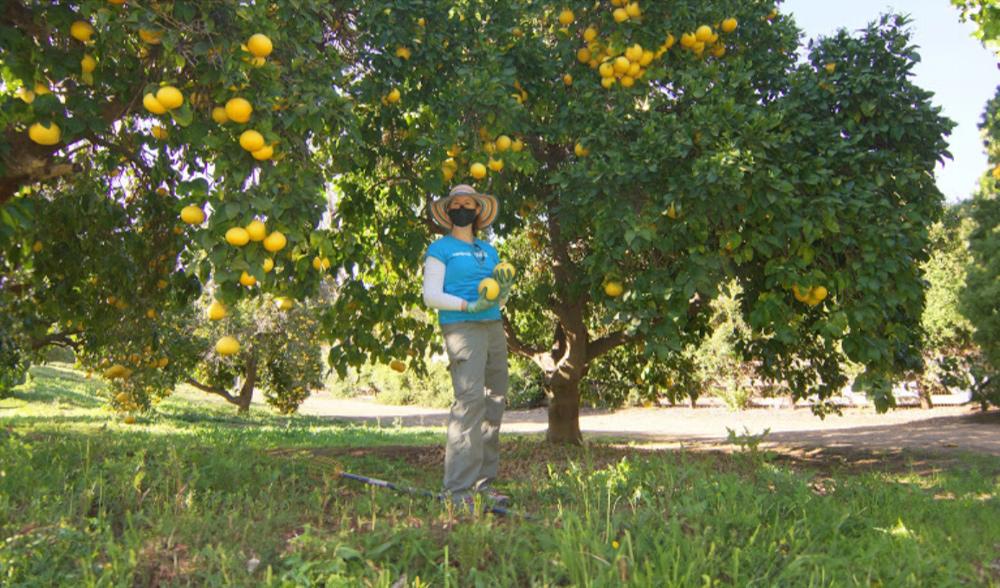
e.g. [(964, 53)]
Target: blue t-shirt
[(466, 264)]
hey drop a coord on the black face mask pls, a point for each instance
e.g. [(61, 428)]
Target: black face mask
[(462, 217)]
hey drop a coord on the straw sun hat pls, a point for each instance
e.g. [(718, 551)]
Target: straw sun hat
[(488, 207)]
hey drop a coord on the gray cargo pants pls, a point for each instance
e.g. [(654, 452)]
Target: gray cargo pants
[(477, 354)]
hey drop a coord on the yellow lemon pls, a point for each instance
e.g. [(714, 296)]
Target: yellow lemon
[(504, 271), (159, 132), (688, 40), (568, 80), (613, 289), (421, 22), (646, 58), (403, 53), (704, 34), (37, 247), (259, 45), (608, 82), (170, 97), (238, 110), (88, 64), (268, 265), (284, 303), (26, 95), (517, 145), (729, 25), (237, 236), (216, 311), (628, 81), (251, 140), (831, 67), (129, 420), (275, 242), (606, 69), (44, 135), (219, 115), (671, 40), (397, 366), (321, 263), (163, 362), (633, 10), (633, 69), (150, 37), (820, 293), (478, 171), (489, 289), (192, 215), (227, 346), (580, 150), (503, 143), (634, 53), (152, 104), (621, 65), (247, 280), (583, 55), (589, 34), (393, 96), (496, 164), (151, 314), (81, 30), (41, 89), (566, 17), (454, 150), (264, 153), (620, 15), (257, 230)]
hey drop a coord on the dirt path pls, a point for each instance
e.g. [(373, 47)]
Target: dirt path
[(945, 430)]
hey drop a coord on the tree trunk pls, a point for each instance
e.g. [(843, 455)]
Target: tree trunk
[(246, 392), (564, 413), (925, 396)]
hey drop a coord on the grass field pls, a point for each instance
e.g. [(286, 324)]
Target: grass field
[(196, 496)]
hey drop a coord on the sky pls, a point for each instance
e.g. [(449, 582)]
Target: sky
[(962, 74)]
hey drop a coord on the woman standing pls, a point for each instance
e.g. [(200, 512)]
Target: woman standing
[(474, 339)]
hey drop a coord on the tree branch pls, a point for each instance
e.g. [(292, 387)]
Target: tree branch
[(55, 339), (211, 389), (515, 344), (607, 343)]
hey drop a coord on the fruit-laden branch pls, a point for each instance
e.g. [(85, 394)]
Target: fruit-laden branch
[(211, 389)]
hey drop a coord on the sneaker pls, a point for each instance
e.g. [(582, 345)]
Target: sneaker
[(495, 498)]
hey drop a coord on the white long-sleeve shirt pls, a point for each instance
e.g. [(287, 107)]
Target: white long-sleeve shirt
[(434, 294)]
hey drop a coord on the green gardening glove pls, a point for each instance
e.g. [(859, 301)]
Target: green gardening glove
[(481, 304), (504, 275)]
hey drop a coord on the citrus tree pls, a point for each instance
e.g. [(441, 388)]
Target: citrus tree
[(644, 155), (149, 150), (979, 300), (948, 347)]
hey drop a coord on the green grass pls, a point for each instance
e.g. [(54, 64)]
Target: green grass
[(191, 495)]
